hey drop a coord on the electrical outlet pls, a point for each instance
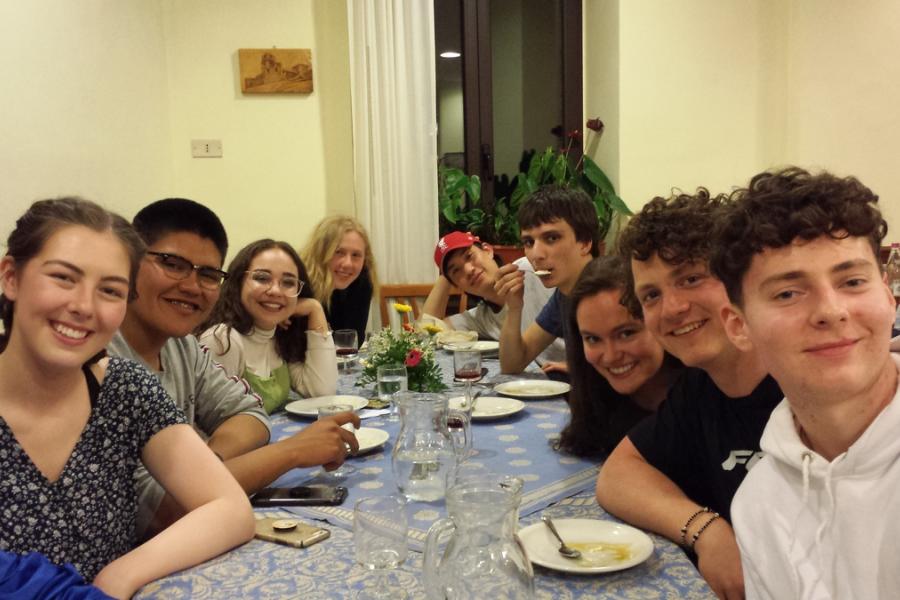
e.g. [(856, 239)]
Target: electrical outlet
[(206, 148)]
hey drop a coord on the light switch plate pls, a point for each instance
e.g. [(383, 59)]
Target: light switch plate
[(206, 148)]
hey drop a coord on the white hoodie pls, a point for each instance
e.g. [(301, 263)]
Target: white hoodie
[(812, 529)]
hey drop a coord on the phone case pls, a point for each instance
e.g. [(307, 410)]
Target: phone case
[(264, 498), (302, 536)]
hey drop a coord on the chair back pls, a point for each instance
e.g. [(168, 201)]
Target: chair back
[(411, 294)]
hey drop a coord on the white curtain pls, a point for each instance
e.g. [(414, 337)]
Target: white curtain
[(395, 133)]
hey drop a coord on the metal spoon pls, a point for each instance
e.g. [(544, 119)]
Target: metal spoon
[(475, 397), (563, 549)]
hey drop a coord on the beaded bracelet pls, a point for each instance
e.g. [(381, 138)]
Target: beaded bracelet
[(696, 536), (684, 529)]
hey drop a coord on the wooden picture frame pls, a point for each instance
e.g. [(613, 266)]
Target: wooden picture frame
[(275, 70)]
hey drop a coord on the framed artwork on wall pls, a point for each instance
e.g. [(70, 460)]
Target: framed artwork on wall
[(275, 70)]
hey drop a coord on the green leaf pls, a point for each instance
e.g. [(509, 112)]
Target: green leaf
[(558, 170), (596, 176), (449, 212), (618, 205), (473, 189)]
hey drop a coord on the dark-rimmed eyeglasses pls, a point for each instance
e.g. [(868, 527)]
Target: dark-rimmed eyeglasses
[(178, 267), (289, 285)]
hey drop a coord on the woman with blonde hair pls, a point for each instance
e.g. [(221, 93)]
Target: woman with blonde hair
[(342, 272)]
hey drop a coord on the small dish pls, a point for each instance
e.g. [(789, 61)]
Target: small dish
[(309, 407), (532, 388), (605, 546), (490, 407), (370, 438)]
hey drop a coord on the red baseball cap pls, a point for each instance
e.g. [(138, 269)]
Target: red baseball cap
[(450, 242)]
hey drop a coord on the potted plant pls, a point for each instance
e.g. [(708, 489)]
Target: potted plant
[(460, 194)]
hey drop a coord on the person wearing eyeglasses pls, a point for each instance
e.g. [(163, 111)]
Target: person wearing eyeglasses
[(178, 283), (265, 288)]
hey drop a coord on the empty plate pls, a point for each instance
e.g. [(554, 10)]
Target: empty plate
[(532, 388), (370, 438), (490, 407), (309, 407)]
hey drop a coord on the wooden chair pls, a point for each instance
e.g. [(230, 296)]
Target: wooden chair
[(413, 294)]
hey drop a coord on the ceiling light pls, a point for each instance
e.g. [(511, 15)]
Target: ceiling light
[(450, 54)]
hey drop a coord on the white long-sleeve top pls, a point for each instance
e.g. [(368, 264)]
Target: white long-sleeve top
[(316, 376)]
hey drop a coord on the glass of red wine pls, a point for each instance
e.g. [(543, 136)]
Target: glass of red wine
[(346, 345), (467, 368)]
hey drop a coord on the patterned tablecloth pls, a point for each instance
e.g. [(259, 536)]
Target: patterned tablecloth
[(519, 445)]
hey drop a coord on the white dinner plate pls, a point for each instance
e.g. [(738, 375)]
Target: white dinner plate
[(532, 388), (605, 545), (483, 346), (370, 438), (309, 407), (490, 407)]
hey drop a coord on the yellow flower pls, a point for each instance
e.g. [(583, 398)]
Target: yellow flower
[(431, 329), (403, 308)]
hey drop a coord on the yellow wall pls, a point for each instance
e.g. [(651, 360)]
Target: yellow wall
[(710, 92), (84, 96), (843, 74), (102, 99)]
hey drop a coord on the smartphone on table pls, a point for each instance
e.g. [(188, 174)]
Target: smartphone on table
[(301, 495)]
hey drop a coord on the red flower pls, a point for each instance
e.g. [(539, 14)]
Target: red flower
[(574, 134), (413, 357), (408, 327), (595, 124)]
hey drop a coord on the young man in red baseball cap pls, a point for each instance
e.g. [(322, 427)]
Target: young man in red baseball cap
[(469, 264)]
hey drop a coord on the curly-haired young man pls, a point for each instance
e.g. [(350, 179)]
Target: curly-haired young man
[(817, 517), (677, 471)]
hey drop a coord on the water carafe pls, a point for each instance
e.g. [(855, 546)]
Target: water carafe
[(425, 455), (483, 556)]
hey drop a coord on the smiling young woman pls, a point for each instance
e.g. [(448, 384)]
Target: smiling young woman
[(619, 372), (71, 424), (342, 272), (266, 288)]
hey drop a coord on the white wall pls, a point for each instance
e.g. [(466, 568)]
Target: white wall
[(843, 63), (102, 98), (689, 96), (710, 92), (270, 182), (84, 104)]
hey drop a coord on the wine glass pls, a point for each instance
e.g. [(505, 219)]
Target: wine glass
[(346, 345), (467, 368), (391, 380), (379, 534), (327, 411)]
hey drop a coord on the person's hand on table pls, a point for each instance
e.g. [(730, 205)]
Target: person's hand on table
[(324, 442), (557, 366), (719, 561), (510, 286)]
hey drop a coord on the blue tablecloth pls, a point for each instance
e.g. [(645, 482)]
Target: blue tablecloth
[(519, 445)]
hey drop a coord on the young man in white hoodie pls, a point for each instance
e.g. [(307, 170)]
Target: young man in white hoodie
[(817, 517)]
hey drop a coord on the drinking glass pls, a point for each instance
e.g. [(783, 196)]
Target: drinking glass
[(467, 368), (391, 380), (346, 345), (379, 534), (327, 411)]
